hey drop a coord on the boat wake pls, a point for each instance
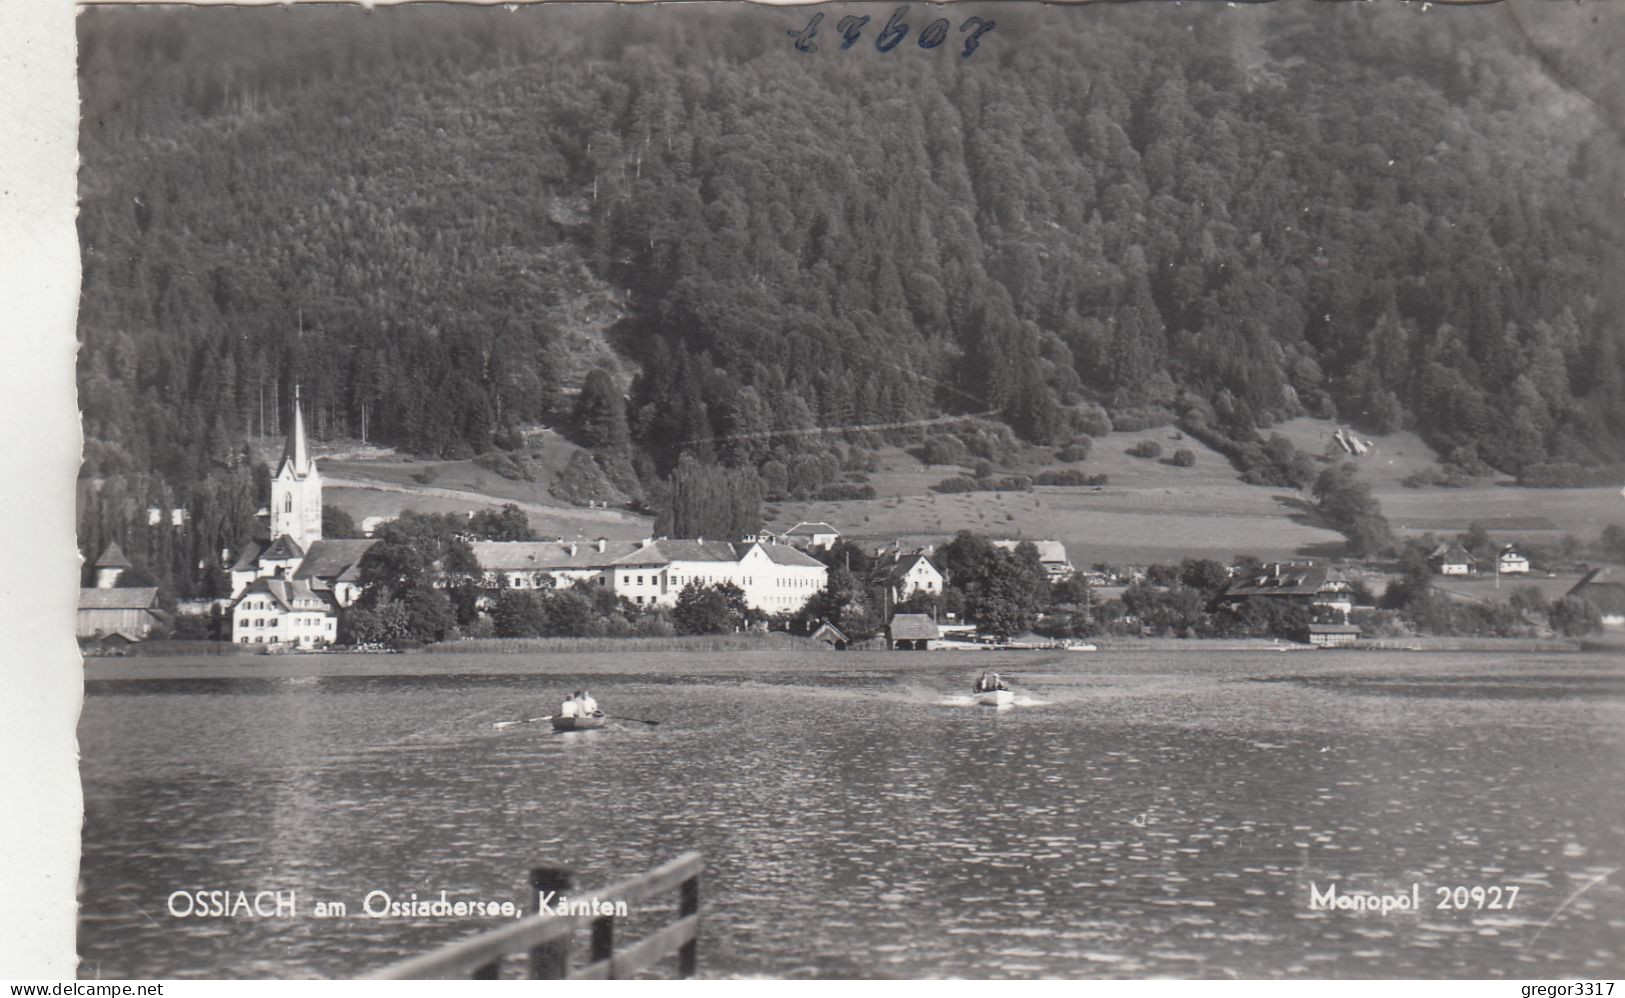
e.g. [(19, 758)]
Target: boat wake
[(1021, 700)]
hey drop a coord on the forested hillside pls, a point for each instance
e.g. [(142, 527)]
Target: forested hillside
[(1223, 216)]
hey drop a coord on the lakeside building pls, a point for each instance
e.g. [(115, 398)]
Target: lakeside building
[(1333, 635), (130, 613), (652, 572), (1051, 554), (911, 632), (1602, 590), (283, 612), (1316, 586)]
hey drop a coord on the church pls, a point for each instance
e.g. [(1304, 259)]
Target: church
[(286, 588)]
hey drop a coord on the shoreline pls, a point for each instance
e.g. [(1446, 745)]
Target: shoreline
[(781, 642)]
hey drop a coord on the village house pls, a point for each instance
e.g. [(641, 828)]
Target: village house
[(827, 633), (1051, 554), (913, 574), (283, 612), (1511, 562), (1599, 588), (1452, 559), (1316, 586), (811, 535)]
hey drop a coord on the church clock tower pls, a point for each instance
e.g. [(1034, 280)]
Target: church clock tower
[(296, 489)]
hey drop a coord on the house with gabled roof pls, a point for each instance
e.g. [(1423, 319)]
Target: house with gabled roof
[(1603, 590), (1312, 585), (914, 573), (911, 632), (1450, 558), (1511, 561), (811, 535), (283, 613), (1051, 554), (132, 611)]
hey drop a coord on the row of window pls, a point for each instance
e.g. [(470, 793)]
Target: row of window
[(297, 622)]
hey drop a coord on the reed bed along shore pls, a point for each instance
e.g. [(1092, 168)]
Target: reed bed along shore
[(749, 641)]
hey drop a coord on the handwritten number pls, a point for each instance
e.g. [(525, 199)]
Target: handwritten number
[(804, 42), (849, 27), (982, 28), (934, 33), (894, 31)]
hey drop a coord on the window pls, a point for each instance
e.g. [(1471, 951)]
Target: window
[(287, 503), (245, 639), (640, 582), (639, 598)]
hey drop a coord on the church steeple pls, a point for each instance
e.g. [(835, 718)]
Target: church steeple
[(296, 490), (295, 453)]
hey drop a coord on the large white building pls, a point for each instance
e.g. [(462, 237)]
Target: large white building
[(284, 613), (651, 572)]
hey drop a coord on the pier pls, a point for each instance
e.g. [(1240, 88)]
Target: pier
[(543, 938)]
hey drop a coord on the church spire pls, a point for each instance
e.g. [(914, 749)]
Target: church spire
[(295, 452)]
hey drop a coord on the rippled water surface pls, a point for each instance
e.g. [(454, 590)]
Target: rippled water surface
[(1141, 813)]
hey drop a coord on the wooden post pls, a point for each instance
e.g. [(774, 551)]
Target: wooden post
[(688, 955), (551, 960), (603, 939)]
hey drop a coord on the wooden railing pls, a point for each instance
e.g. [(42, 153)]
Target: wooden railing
[(545, 937)]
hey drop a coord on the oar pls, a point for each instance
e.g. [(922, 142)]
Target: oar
[(623, 717), (528, 720)]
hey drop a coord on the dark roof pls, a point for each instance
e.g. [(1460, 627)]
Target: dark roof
[(1452, 553), (829, 631), (912, 627), (784, 554), (133, 598), (1334, 629), (907, 564), (666, 550), (533, 556), (284, 548), (113, 557), (248, 558), (1290, 580), (284, 591), (1602, 590), (333, 559)]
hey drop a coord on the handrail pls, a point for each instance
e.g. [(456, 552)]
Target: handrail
[(481, 955)]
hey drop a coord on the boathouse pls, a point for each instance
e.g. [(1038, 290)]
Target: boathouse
[(1333, 635), (911, 632), (831, 635)]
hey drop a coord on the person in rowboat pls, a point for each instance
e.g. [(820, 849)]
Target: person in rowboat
[(588, 706), (571, 706)]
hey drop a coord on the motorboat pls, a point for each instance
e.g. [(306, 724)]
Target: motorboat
[(583, 723), (996, 698)]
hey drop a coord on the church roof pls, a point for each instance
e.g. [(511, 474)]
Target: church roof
[(284, 548), (248, 558), (337, 559), (133, 598), (113, 557)]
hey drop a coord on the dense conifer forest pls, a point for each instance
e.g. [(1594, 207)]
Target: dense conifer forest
[(1132, 213)]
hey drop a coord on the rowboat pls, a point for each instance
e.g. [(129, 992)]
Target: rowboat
[(579, 723), (996, 698)]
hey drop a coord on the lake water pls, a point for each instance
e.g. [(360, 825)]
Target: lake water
[(1142, 813)]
